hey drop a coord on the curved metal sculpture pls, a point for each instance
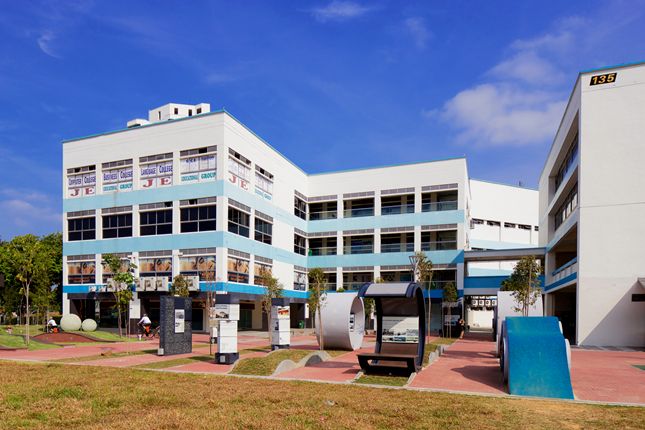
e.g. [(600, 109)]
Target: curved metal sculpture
[(343, 320)]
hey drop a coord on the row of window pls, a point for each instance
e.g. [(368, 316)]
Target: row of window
[(202, 266), (566, 208), (569, 160), (491, 223), (390, 205)]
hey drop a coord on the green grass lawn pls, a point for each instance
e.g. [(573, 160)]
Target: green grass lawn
[(53, 396), (14, 341), (104, 356), (392, 381)]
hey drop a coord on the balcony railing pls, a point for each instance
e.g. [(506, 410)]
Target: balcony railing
[(442, 245), (439, 206), (437, 285), (397, 247), (359, 249), (329, 250), (398, 209), (316, 216), (299, 287), (353, 286), (359, 212), (565, 270)]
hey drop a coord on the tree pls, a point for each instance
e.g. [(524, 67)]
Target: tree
[(180, 286), (316, 298), (524, 283), (29, 261), (450, 296), (273, 290), (123, 277), (423, 272)]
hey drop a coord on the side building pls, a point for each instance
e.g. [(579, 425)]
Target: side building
[(592, 208), (197, 193)]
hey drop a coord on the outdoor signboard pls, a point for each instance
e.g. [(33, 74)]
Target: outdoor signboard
[(180, 322)]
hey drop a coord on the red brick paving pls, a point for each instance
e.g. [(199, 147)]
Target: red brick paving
[(608, 376), (467, 365)]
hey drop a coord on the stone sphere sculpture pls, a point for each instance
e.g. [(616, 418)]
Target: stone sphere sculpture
[(89, 325), (70, 322)]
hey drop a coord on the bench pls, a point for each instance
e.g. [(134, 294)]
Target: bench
[(394, 357)]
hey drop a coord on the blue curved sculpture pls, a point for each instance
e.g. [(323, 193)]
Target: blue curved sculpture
[(535, 358)]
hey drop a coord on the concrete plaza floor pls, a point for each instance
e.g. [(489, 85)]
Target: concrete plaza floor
[(469, 365)]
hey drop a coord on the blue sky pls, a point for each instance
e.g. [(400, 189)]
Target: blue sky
[(332, 85)]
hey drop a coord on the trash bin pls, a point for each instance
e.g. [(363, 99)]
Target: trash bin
[(301, 324)]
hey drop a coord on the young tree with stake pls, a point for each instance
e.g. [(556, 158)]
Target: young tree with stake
[(524, 283), (123, 277), (422, 273), (273, 290)]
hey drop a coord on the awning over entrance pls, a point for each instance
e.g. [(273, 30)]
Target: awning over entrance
[(503, 254)]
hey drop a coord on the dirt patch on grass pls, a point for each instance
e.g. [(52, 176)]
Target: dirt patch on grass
[(65, 337), (391, 381)]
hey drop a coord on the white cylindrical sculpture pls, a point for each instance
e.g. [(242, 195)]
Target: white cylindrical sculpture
[(343, 321)]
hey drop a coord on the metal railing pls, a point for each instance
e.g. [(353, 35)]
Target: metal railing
[(358, 212), (442, 245), (397, 247), (397, 209), (329, 250), (316, 216), (437, 285), (353, 286), (358, 249), (439, 206)]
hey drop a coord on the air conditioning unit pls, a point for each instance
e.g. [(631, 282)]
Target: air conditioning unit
[(162, 283), (92, 288), (193, 283), (102, 289), (111, 286), (149, 284)]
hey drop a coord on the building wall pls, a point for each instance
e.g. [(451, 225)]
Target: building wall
[(611, 254)]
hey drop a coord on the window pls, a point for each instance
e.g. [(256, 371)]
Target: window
[(155, 170), (190, 112), (238, 222), (198, 165), (81, 181), (300, 280), (263, 230), (260, 271), (199, 110), (117, 176), (567, 208), (568, 161), (239, 168), (156, 266), (524, 227), (536, 228), (198, 265), (198, 215), (81, 269), (176, 111), (493, 223), (299, 207), (125, 265), (299, 244), (238, 270), (117, 222), (81, 227), (509, 225), (155, 218), (263, 182)]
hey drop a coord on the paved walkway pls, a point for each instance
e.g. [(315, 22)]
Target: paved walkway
[(469, 365)]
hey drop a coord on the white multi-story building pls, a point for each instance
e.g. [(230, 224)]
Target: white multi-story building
[(195, 192), (592, 210)]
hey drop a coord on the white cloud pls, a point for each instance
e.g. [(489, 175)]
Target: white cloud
[(416, 27), (499, 114), (30, 213), (339, 11), (527, 66), (45, 43)]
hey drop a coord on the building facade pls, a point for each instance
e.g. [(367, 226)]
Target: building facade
[(592, 210), (197, 193)]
